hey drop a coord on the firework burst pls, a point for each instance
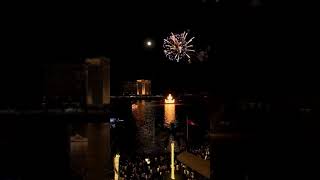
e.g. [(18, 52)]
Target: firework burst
[(177, 47)]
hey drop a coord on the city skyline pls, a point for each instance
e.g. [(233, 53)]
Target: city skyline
[(247, 46)]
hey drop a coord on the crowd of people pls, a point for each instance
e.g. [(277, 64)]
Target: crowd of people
[(154, 168), (202, 151)]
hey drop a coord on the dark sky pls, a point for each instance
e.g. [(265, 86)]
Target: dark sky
[(248, 42), (123, 39), (63, 33)]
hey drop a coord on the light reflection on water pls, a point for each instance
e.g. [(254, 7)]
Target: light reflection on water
[(169, 114), (145, 128), (146, 124), (153, 120), (145, 117), (143, 111)]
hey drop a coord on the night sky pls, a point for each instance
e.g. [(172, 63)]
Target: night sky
[(262, 49), (251, 44), (114, 31)]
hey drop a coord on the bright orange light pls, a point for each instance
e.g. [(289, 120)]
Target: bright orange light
[(172, 160), (116, 166), (169, 114), (134, 106), (169, 99)]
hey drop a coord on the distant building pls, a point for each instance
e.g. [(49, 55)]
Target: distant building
[(84, 84), (138, 87), (64, 83), (98, 81), (129, 88), (143, 87)]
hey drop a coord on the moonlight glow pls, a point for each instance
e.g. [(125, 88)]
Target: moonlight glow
[(177, 47)]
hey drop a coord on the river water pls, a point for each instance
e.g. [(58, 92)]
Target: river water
[(141, 127), (147, 125)]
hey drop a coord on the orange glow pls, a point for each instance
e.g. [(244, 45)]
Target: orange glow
[(116, 166), (138, 110), (134, 107), (172, 160), (143, 87), (169, 114), (169, 99)]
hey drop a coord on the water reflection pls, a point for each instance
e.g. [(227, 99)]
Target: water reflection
[(91, 151), (151, 120), (138, 112), (169, 114), (78, 154), (145, 118)]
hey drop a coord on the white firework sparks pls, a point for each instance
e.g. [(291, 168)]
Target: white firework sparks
[(176, 47)]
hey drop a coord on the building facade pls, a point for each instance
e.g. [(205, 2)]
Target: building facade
[(143, 87), (64, 83), (139, 87), (83, 83), (98, 81), (129, 88)]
